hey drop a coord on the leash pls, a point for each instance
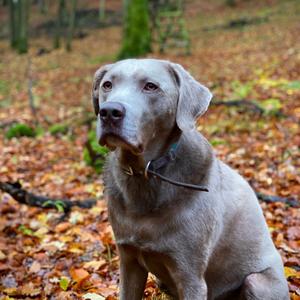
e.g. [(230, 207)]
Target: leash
[(154, 165)]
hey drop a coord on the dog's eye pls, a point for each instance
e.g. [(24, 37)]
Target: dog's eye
[(150, 86), (107, 86)]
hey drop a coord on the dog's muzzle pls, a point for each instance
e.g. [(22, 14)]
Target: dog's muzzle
[(112, 113)]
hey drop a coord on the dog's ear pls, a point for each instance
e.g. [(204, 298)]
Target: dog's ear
[(96, 84), (193, 99)]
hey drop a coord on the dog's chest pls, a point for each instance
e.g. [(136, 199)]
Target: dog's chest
[(160, 264), (155, 257), (148, 242), (141, 234)]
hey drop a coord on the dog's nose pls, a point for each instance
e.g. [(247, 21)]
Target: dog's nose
[(112, 111)]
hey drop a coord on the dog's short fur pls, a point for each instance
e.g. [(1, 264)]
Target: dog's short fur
[(200, 245)]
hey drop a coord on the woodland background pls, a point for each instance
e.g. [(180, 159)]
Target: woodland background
[(246, 52)]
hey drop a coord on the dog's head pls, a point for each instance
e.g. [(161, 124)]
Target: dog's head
[(139, 100)]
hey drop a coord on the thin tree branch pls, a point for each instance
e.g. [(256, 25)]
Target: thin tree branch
[(240, 102), (7, 123), (30, 93), (247, 104), (22, 196), (271, 199)]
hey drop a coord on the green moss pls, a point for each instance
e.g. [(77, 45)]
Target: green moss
[(18, 130), (137, 34), (271, 106), (218, 141), (96, 159), (292, 85), (241, 90), (57, 129), (99, 60), (3, 87)]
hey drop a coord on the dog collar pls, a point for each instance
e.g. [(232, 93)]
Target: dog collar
[(154, 165)]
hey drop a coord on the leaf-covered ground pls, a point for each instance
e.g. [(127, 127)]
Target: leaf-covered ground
[(43, 256)]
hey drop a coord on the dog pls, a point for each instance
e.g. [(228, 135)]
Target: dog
[(202, 233)]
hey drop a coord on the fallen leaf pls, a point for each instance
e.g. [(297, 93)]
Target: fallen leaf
[(9, 281), (92, 296), (64, 283), (295, 297), (290, 272), (2, 255), (293, 233), (35, 267), (62, 227), (11, 291), (95, 264), (288, 249), (30, 290), (79, 275)]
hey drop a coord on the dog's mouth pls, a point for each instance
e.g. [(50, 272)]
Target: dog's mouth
[(113, 141)]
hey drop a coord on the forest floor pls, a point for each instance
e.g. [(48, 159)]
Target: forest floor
[(45, 256)]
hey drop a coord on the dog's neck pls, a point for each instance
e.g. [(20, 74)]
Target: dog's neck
[(194, 158), (155, 150)]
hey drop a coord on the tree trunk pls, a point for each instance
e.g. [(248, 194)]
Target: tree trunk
[(43, 6), (59, 23), (71, 25), (136, 33), (23, 12), (14, 26), (125, 8), (101, 10)]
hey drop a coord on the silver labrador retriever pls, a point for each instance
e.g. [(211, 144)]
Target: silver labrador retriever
[(199, 244)]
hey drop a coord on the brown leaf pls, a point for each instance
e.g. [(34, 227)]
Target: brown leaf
[(95, 264), (30, 290), (2, 255), (67, 295), (35, 267), (293, 233), (79, 275), (62, 227)]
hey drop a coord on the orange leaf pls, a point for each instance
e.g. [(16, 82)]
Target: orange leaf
[(61, 227), (295, 297), (290, 272), (79, 275)]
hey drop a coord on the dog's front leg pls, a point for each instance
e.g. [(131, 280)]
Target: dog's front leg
[(192, 288), (133, 278)]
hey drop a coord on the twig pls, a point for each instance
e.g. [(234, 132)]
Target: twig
[(30, 94), (238, 23), (7, 123), (241, 102), (24, 197), (271, 199), (256, 108)]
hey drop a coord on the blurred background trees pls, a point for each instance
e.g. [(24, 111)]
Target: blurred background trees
[(144, 23), (65, 23)]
